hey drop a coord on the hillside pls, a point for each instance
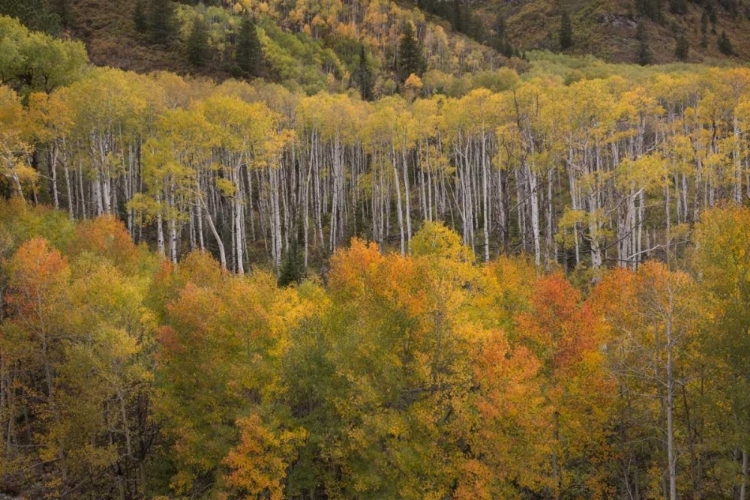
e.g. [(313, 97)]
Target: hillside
[(608, 28), (314, 46)]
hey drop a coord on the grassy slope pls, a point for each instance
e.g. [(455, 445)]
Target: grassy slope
[(606, 28), (108, 30)]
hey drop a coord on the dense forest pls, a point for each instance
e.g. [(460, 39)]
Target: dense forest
[(407, 267)]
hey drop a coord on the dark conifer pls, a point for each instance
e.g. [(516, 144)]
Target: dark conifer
[(410, 58), (248, 55), (682, 48), (725, 45), (364, 75), (566, 31), (197, 43), (645, 56), (140, 17), (162, 26)]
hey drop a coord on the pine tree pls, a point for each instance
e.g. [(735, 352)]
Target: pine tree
[(682, 48), (566, 31), (650, 8), (410, 60), (364, 75), (725, 45), (162, 24), (293, 268), (645, 56), (678, 7), (37, 15), (62, 8), (248, 54), (140, 18), (197, 43), (457, 22), (499, 39)]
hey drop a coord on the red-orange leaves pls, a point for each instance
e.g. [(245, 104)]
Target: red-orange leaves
[(39, 277), (107, 237)]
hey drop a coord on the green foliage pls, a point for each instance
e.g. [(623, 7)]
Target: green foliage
[(410, 59), (682, 48), (197, 44), (364, 75), (725, 44), (140, 16), (566, 31), (35, 61), (248, 55), (161, 22), (645, 56), (678, 7), (37, 15), (650, 8), (293, 269)]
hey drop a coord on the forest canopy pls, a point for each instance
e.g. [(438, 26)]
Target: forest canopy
[(527, 286)]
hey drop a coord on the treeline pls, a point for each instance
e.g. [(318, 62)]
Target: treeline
[(422, 376)]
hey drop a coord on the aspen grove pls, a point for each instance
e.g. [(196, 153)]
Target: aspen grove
[(237, 291)]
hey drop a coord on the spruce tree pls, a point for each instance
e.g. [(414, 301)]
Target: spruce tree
[(650, 9), (248, 54), (410, 58), (678, 7), (162, 26), (364, 75), (37, 15), (725, 45), (197, 43), (566, 31), (62, 8), (140, 18), (498, 41), (645, 56), (293, 269), (682, 48)]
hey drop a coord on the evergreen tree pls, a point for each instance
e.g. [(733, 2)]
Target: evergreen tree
[(364, 75), (197, 43), (457, 22), (682, 48), (140, 18), (162, 24), (248, 54), (725, 45), (678, 7), (500, 41), (650, 8), (293, 268), (37, 15), (566, 31), (704, 29), (410, 58), (645, 56), (62, 8)]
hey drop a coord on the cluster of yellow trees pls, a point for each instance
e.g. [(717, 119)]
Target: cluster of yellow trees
[(608, 169), (427, 375)]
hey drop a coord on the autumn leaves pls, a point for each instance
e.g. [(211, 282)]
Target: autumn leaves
[(419, 376)]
